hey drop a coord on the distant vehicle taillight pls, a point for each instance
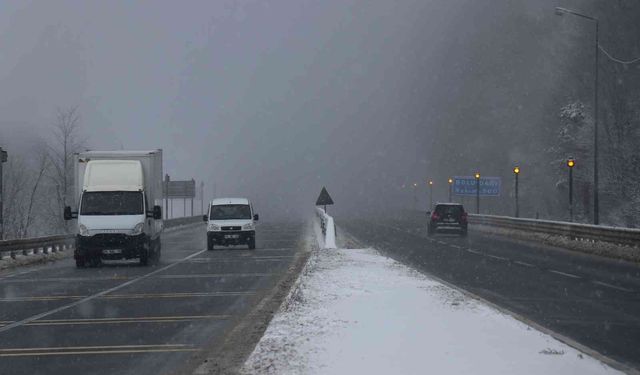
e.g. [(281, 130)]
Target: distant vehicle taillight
[(463, 218), (435, 216)]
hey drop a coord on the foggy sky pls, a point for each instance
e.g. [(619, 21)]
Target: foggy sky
[(273, 100)]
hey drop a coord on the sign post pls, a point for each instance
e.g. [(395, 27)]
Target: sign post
[(3, 159), (324, 199), (477, 186), (180, 189)]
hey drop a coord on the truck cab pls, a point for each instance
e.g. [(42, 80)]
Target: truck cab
[(231, 221), (118, 214)]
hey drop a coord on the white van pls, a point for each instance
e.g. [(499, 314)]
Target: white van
[(231, 221), (118, 199)]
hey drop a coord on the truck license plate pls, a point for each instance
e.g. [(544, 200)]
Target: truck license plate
[(232, 236), (112, 251)]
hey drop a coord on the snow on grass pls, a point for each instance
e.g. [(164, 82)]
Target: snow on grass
[(357, 312)]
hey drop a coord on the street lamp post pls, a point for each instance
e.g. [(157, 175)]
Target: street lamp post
[(477, 193), (571, 163), (516, 172), (430, 195), (450, 188), (596, 201)]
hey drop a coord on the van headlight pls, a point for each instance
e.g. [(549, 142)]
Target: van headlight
[(213, 227), (137, 229), (82, 230), (248, 226)]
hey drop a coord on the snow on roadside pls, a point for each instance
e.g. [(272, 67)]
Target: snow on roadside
[(357, 312)]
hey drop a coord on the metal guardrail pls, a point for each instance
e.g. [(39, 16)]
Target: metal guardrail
[(54, 244), (572, 231)]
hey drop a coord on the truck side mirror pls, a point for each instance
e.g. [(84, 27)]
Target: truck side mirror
[(256, 217), (205, 218), (157, 212), (68, 214)]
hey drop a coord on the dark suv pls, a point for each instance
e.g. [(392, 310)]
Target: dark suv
[(447, 217)]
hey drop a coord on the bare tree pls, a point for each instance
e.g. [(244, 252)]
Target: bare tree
[(22, 192), (66, 141), (41, 169)]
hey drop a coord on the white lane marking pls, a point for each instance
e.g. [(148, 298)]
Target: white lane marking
[(523, 263), (94, 296), (496, 257), (474, 251), (441, 242), (456, 246), (612, 286), (565, 274)]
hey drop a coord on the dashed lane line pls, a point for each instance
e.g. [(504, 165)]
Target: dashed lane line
[(565, 274), (496, 257), (128, 296), (525, 264), (96, 295), (143, 319), (92, 350), (601, 283)]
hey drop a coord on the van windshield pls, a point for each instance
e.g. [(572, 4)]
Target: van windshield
[(230, 212), (112, 203)]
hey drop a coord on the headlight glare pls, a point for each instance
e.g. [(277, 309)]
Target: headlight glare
[(83, 231), (248, 226), (213, 227)]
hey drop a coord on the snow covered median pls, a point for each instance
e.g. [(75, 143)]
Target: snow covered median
[(355, 311)]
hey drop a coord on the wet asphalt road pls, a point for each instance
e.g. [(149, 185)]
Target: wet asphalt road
[(126, 319), (592, 300)]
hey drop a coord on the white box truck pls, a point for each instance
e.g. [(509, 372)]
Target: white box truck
[(118, 196)]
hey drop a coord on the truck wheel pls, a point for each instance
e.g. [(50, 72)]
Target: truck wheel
[(144, 257), (252, 243), (80, 263), (209, 244)]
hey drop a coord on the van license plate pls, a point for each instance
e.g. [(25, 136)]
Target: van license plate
[(112, 251), (232, 236)]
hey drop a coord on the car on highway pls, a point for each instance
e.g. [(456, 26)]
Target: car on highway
[(231, 221), (449, 218)]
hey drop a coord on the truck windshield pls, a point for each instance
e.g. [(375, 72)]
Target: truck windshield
[(112, 203), (230, 212)]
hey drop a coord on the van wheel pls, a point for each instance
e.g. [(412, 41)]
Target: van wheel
[(144, 257), (252, 244), (80, 263), (209, 245)]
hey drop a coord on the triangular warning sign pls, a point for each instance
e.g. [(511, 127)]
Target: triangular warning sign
[(324, 199)]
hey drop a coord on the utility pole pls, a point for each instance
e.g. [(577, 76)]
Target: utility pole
[(3, 159), (166, 196), (202, 197), (193, 181)]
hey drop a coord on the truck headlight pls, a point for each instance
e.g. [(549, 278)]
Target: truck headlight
[(82, 230), (137, 229), (213, 227), (248, 226)]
